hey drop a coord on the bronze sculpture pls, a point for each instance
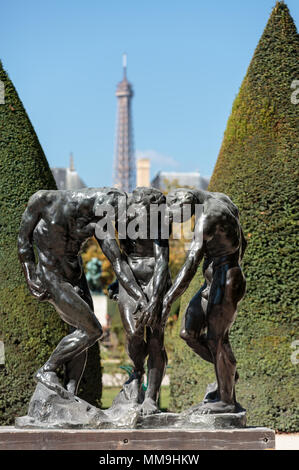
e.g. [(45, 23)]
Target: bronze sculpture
[(57, 222), (219, 239)]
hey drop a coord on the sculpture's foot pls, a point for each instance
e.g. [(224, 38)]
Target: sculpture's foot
[(71, 386), (51, 381), (131, 392), (217, 407), (211, 393), (149, 407), (132, 387)]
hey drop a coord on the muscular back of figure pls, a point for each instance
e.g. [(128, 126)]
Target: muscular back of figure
[(221, 229), (63, 226)]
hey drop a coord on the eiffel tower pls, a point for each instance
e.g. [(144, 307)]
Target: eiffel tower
[(124, 159)]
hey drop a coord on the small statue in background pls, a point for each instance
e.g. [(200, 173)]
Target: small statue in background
[(93, 275)]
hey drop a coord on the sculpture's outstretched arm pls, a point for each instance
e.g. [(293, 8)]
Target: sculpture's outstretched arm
[(160, 276), (29, 221), (188, 270)]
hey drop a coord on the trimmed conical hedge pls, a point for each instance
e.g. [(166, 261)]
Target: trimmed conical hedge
[(258, 168), (29, 329)]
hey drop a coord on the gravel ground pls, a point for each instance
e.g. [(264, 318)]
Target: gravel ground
[(287, 441)]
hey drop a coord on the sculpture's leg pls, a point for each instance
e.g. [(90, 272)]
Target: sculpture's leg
[(73, 372), (193, 333), (220, 318), (136, 346), (225, 366), (157, 361), (193, 327), (76, 312), (194, 324), (74, 369), (137, 351)]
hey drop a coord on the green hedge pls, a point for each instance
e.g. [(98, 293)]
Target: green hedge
[(257, 167), (30, 330)]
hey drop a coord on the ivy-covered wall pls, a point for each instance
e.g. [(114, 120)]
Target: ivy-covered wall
[(30, 330), (258, 168)]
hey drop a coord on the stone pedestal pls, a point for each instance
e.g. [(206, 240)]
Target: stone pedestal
[(189, 420), (49, 410), (70, 423)]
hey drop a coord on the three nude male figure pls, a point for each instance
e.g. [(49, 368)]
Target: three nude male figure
[(58, 222)]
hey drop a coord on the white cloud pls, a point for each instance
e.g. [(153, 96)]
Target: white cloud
[(157, 158)]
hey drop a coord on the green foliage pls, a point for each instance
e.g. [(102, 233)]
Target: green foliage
[(257, 167), (29, 329)]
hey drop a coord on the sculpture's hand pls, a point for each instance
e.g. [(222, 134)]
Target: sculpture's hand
[(33, 282), (148, 316), (37, 290), (141, 306), (113, 290)]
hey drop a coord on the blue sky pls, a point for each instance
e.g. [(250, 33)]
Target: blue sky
[(186, 61)]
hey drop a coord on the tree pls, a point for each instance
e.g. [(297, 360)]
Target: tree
[(29, 329), (257, 167)]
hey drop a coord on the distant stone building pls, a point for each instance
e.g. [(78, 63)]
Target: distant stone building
[(68, 178), (143, 167), (165, 179)]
